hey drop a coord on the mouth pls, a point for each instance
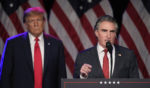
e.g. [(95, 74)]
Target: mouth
[(107, 40)]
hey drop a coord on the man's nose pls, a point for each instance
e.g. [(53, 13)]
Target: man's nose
[(108, 35), (35, 22)]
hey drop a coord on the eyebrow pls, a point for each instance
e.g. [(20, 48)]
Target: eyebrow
[(114, 30)]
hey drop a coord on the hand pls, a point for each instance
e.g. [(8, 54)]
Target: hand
[(85, 70)]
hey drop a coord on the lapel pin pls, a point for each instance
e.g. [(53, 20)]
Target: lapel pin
[(49, 43), (119, 54)]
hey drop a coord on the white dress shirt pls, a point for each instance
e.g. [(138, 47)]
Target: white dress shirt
[(101, 53), (41, 44)]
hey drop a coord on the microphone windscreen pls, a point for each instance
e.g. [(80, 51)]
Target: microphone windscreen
[(109, 46)]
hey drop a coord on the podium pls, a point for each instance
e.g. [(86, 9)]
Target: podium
[(105, 83)]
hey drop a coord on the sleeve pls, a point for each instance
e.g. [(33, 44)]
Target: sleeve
[(133, 71), (77, 67), (62, 66), (6, 65)]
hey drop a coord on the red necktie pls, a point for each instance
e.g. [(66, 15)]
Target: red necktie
[(37, 65), (106, 65)]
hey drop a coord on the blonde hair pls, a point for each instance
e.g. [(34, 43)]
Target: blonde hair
[(33, 11)]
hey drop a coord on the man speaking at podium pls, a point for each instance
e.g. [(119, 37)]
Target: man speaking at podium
[(106, 60)]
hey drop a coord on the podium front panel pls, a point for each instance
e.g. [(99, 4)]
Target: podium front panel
[(105, 83)]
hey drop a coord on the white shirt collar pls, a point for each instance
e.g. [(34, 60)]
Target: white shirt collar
[(101, 49), (33, 37)]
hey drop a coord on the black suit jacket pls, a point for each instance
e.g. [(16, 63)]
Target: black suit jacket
[(125, 63), (17, 63)]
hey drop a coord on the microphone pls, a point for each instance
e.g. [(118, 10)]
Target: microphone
[(109, 48)]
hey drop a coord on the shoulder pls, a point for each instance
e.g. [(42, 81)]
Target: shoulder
[(88, 51), (17, 38), (15, 41), (123, 49), (52, 39)]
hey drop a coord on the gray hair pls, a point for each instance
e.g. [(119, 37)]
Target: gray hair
[(105, 18)]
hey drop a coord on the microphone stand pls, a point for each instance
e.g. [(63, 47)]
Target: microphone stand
[(109, 47), (111, 65)]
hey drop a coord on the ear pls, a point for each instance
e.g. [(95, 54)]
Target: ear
[(96, 33), (25, 25)]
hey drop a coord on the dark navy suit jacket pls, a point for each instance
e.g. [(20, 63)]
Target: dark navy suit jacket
[(17, 71), (125, 63)]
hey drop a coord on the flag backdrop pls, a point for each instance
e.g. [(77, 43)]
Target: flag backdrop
[(72, 21)]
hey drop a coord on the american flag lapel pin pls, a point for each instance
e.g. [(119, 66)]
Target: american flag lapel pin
[(119, 54), (49, 43)]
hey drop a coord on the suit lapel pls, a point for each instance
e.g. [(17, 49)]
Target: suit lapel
[(47, 46), (98, 68), (118, 56), (28, 51)]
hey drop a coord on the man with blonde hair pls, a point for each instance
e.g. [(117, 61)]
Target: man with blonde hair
[(33, 59)]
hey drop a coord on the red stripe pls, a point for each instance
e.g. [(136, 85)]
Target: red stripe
[(131, 45), (25, 6), (139, 24), (87, 26), (68, 26), (15, 20), (88, 29), (0, 57), (41, 2), (69, 60), (3, 33), (98, 10)]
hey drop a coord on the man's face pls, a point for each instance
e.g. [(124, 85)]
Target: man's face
[(106, 32), (35, 24)]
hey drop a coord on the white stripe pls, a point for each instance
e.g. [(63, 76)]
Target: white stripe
[(69, 75), (19, 13), (140, 74), (144, 15), (34, 3), (132, 30), (7, 23), (122, 42), (74, 19), (63, 35), (106, 7), (1, 46), (92, 18), (147, 62)]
